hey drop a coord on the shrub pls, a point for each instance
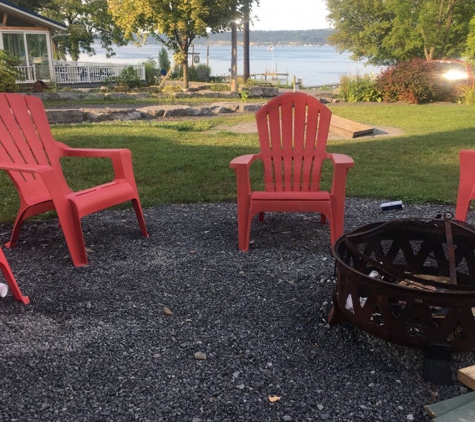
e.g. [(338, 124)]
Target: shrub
[(172, 88), (219, 87), (200, 73), (151, 72), (129, 78), (359, 88), (467, 94), (8, 73), (415, 81)]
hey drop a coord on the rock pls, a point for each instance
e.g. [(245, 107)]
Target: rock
[(200, 356), (251, 107), (70, 95), (262, 91), (167, 311), (106, 114), (180, 111), (224, 107), (152, 111), (65, 116)]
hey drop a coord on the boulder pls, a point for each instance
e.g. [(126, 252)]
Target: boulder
[(65, 116)]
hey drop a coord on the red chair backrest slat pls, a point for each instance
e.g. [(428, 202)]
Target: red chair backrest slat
[(293, 131), (25, 138)]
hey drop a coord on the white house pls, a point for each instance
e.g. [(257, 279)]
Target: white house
[(27, 35)]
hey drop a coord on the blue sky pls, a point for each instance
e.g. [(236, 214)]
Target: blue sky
[(290, 14)]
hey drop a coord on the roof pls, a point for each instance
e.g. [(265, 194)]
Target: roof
[(29, 15)]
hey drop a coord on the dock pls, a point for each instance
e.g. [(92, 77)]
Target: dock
[(271, 76)]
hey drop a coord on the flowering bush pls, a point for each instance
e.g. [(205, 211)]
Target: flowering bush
[(415, 81)]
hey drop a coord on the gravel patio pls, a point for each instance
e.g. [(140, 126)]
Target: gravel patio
[(182, 327)]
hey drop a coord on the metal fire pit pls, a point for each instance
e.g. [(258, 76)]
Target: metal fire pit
[(409, 281)]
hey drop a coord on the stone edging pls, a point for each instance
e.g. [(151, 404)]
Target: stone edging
[(64, 115)]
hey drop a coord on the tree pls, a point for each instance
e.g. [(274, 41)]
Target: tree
[(388, 31), (470, 50), (33, 5), (175, 23), (87, 21), (163, 60)]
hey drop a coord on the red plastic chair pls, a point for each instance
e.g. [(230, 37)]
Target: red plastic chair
[(12, 284), (293, 131), (466, 185), (31, 157)]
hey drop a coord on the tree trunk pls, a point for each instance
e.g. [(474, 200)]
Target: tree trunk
[(246, 41), (234, 84), (184, 65)]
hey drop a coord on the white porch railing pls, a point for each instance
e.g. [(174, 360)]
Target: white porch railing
[(27, 74), (81, 72)]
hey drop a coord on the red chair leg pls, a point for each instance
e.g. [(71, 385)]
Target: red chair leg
[(72, 231), (12, 284), (466, 184), (140, 217)]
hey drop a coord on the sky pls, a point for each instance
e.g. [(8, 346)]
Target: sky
[(273, 15)]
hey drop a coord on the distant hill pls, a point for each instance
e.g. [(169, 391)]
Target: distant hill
[(309, 37), (306, 37)]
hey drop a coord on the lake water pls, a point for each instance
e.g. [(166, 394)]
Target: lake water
[(315, 65)]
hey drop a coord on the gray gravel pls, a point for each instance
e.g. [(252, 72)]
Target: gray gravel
[(98, 343)]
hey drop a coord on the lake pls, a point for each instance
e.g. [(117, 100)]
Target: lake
[(315, 65)]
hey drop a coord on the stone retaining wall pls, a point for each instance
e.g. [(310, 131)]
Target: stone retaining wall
[(101, 114), (64, 115)]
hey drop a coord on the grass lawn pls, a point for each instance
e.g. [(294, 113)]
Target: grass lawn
[(188, 161)]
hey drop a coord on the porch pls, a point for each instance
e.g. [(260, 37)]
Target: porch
[(66, 72)]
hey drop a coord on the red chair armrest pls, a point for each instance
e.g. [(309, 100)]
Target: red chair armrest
[(112, 153), (26, 168), (241, 166), (243, 160), (342, 160), (121, 158), (342, 163)]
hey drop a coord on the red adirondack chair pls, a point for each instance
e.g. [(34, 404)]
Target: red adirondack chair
[(293, 131), (31, 157), (466, 185)]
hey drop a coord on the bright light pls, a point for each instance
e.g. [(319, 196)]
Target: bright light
[(455, 75)]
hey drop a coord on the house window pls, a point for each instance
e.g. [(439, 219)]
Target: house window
[(38, 54), (14, 44), (32, 51)]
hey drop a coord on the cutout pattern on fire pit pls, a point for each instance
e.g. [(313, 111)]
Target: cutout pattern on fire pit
[(410, 281)]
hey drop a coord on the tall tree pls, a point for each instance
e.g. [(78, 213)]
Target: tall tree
[(387, 31), (33, 5), (470, 48), (87, 21), (175, 23)]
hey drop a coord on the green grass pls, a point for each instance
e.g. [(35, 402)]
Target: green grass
[(188, 161), (419, 166)]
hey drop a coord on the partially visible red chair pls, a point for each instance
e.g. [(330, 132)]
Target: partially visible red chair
[(466, 185), (31, 157), (293, 131), (12, 284)]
